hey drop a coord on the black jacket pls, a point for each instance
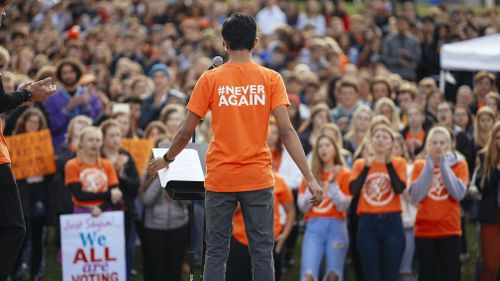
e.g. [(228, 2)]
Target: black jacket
[(488, 207), (9, 101)]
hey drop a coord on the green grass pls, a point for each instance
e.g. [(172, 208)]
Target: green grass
[(53, 268)]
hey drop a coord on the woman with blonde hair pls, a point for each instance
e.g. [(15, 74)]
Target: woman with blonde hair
[(492, 100), (326, 223), (360, 125), (333, 131), (485, 119), (92, 180), (387, 107), (365, 144), (487, 180), (155, 130), (438, 184), (376, 184)]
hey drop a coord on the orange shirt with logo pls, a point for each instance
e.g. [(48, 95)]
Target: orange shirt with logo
[(4, 149), (93, 178), (282, 194), (241, 97), (438, 215), (327, 209), (377, 195)]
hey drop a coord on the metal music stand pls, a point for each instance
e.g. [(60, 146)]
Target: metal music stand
[(193, 191)]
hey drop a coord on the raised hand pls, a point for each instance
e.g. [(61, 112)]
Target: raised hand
[(42, 89)]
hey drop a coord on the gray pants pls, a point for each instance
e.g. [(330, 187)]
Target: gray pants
[(258, 213)]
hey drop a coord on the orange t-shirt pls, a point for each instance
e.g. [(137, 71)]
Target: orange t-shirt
[(282, 194), (438, 215), (241, 96), (327, 209), (420, 137), (377, 195), (92, 178), (276, 156), (4, 149)]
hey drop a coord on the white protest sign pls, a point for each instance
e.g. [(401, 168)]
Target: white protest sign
[(93, 248), (186, 167)]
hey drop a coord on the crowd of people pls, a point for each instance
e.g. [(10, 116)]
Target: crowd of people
[(401, 162)]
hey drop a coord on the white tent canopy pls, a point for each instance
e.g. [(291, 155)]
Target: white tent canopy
[(481, 53)]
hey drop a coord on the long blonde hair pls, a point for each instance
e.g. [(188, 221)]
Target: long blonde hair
[(333, 131), (88, 130), (376, 121), (491, 153), (78, 119), (395, 120), (351, 134), (438, 130), (315, 110), (317, 165), (480, 137)]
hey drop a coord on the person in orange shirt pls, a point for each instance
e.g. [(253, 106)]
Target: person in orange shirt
[(415, 133), (91, 179), (376, 183), (326, 228), (12, 225), (241, 96), (438, 183), (238, 264)]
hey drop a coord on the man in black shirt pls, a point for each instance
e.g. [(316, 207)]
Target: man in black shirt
[(12, 225)]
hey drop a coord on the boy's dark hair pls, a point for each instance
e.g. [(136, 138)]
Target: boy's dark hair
[(239, 31)]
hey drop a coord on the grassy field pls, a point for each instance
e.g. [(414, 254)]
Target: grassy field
[(53, 268)]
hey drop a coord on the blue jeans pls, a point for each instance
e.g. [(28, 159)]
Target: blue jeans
[(324, 237), (381, 243)]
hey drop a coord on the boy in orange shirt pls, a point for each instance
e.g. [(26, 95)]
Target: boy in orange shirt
[(241, 95)]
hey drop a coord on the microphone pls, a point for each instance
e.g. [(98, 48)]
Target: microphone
[(217, 61)]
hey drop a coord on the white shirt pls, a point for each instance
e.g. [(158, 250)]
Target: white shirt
[(269, 18)]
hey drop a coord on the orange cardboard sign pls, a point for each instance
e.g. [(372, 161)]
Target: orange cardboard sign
[(31, 154), (140, 149)]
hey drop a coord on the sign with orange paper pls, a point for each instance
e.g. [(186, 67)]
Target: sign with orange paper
[(31, 154), (140, 149)]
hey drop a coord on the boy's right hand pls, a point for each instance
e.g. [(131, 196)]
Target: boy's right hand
[(316, 191)]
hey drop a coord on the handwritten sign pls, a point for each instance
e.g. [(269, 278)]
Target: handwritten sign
[(93, 248), (140, 149), (31, 154)]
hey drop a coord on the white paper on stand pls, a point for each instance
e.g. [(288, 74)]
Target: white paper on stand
[(186, 167)]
